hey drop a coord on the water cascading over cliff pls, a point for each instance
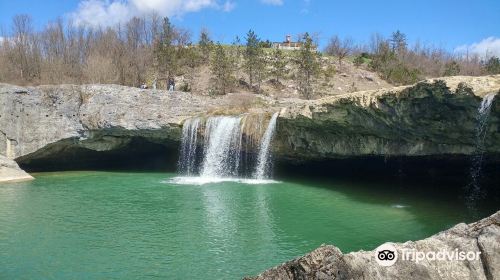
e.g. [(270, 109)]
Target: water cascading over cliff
[(263, 163), (222, 148), (473, 189)]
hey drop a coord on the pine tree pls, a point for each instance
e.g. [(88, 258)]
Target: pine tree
[(205, 44), (221, 67), (308, 66), (279, 64), (493, 65), (165, 50), (451, 69), (398, 42), (254, 59)]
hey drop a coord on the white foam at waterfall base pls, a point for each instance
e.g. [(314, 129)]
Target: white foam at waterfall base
[(399, 206), (199, 180)]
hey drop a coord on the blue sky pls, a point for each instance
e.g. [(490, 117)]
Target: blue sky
[(447, 24)]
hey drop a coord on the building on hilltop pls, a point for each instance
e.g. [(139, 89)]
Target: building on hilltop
[(288, 44)]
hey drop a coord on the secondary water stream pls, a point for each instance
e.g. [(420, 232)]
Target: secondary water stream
[(473, 189)]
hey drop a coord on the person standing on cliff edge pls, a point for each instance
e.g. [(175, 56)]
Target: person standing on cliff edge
[(171, 84)]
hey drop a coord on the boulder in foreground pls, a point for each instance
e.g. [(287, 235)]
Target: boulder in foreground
[(328, 262)]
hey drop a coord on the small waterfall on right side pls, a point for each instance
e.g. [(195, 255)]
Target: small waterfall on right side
[(473, 189), (263, 159)]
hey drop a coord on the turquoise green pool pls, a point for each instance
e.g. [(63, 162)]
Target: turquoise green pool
[(109, 225)]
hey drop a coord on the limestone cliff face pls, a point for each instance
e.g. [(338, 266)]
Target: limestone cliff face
[(36, 122), (328, 262), (426, 119)]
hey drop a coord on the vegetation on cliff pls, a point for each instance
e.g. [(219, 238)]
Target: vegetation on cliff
[(149, 49)]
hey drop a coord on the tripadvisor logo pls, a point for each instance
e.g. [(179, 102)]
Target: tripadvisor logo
[(386, 254)]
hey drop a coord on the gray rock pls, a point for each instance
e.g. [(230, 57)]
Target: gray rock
[(427, 119), (47, 119), (421, 120), (10, 171), (327, 262)]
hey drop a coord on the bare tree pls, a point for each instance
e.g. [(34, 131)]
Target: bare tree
[(26, 48), (339, 48), (139, 50)]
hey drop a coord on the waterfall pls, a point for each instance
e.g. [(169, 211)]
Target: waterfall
[(473, 189), (222, 142), (263, 159), (226, 148), (189, 146)]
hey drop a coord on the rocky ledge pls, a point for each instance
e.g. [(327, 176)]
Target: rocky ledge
[(67, 124), (328, 262), (10, 171), (71, 123), (432, 118)]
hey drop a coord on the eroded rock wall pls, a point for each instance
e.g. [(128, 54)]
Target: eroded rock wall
[(38, 121), (428, 119), (422, 120)]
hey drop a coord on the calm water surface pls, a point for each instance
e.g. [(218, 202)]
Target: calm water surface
[(107, 225)]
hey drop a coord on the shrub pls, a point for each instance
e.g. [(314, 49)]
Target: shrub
[(451, 69), (464, 89), (493, 65), (359, 60), (185, 87), (400, 74)]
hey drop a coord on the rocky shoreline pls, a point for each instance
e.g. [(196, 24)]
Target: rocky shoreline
[(10, 171), (328, 262)]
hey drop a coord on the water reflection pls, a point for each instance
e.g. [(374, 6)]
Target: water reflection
[(125, 225)]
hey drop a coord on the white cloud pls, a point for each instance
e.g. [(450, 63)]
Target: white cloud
[(6, 39), (272, 2), (228, 6), (96, 12), (486, 48), (110, 12)]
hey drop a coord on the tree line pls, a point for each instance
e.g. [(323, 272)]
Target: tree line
[(151, 49), (400, 64)]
